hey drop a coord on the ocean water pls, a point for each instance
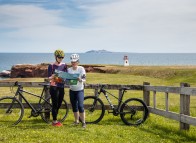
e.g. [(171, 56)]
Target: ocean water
[(7, 60)]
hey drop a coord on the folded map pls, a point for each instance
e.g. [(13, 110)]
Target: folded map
[(66, 75)]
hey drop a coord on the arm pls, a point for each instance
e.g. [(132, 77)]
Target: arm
[(82, 78), (65, 69), (50, 72)]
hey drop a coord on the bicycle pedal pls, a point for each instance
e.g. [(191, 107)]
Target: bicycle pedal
[(30, 116)]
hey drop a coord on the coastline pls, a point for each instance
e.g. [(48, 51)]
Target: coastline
[(144, 70), (137, 59)]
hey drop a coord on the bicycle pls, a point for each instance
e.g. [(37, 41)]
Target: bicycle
[(12, 110), (133, 111)]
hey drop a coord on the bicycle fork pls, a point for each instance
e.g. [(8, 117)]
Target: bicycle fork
[(9, 110)]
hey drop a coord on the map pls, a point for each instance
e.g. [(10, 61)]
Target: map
[(70, 79), (66, 75)]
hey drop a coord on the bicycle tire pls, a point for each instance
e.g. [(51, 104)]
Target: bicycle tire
[(96, 113), (46, 113), (15, 113), (133, 111)]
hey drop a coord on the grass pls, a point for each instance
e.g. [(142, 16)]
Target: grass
[(111, 128)]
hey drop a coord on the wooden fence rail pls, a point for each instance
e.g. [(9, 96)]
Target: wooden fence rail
[(184, 91)]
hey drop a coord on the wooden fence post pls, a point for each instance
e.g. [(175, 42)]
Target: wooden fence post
[(146, 94), (119, 94), (96, 91), (19, 97), (184, 106), (46, 96)]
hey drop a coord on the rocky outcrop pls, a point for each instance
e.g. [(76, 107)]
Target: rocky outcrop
[(40, 70), (5, 73), (29, 70)]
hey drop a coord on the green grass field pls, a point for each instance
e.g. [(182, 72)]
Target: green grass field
[(111, 128)]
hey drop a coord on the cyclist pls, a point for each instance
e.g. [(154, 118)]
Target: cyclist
[(76, 92), (56, 85)]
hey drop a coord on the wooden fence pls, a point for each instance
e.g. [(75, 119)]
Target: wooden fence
[(184, 91)]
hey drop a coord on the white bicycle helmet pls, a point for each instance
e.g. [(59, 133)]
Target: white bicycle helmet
[(74, 58)]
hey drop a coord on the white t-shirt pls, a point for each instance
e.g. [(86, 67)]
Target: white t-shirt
[(82, 74)]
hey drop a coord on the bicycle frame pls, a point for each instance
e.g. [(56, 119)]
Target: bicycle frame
[(20, 91), (129, 110), (102, 90)]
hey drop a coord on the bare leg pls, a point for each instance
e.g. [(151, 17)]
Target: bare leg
[(82, 117), (76, 116)]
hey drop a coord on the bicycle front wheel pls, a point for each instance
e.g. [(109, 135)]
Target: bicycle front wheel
[(11, 111), (46, 113), (94, 109), (133, 111)]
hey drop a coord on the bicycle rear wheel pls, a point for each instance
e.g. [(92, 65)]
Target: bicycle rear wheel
[(133, 111), (11, 111), (46, 113), (94, 109)]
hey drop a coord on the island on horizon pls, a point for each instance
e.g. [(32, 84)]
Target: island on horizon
[(99, 51)]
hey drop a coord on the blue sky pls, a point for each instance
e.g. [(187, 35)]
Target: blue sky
[(141, 26)]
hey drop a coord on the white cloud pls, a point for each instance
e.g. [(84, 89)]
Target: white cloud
[(149, 26), (23, 16), (124, 25)]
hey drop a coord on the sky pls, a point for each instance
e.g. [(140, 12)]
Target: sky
[(136, 26)]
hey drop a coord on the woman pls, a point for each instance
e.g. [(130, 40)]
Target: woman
[(56, 85), (76, 92)]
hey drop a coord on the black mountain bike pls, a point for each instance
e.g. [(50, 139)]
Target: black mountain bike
[(12, 110), (132, 112)]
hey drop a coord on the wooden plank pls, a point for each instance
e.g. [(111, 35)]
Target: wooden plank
[(114, 86), (25, 84), (162, 89), (87, 86), (90, 86), (169, 89), (26, 106), (188, 119), (170, 115), (188, 91), (178, 90)]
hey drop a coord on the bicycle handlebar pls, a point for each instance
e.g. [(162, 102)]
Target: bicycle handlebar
[(16, 83)]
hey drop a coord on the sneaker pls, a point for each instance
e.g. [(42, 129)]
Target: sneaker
[(57, 124), (83, 125), (75, 123)]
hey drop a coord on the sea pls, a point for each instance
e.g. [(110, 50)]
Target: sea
[(7, 60)]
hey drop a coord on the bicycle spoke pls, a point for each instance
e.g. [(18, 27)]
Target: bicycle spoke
[(10, 114), (47, 112), (94, 109), (133, 112)]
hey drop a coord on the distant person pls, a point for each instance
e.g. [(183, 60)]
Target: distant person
[(76, 91), (56, 86)]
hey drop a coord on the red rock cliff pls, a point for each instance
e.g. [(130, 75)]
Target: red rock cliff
[(40, 70)]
